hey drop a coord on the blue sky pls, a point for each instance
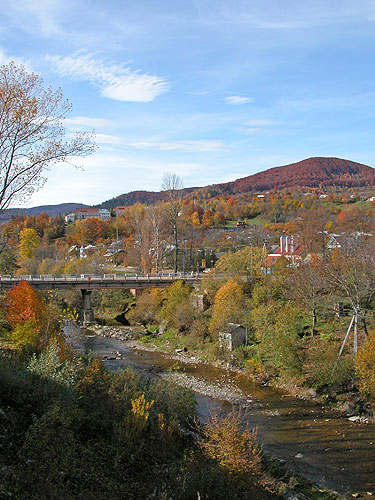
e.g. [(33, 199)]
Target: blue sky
[(213, 90)]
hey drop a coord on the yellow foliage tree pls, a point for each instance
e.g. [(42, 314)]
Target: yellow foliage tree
[(234, 450), (29, 242), (228, 305)]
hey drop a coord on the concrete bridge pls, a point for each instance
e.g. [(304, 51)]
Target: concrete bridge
[(89, 282)]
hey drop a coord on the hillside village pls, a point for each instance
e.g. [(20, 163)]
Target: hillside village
[(187, 265)]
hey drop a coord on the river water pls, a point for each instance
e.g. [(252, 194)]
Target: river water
[(314, 441)]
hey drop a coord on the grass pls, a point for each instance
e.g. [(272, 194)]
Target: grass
[(259, 220)]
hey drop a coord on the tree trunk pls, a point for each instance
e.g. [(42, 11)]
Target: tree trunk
[(176, 247), (313, 326), (355, 347)]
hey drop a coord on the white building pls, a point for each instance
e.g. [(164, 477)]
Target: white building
[(87, 213)]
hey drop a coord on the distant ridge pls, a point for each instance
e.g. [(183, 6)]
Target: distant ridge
[(313, 173), (146, 197), (317, 172), (51, 210)]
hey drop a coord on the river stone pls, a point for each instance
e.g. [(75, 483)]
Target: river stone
[(299, 455)]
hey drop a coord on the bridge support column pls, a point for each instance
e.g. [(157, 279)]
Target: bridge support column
[(86, 313)]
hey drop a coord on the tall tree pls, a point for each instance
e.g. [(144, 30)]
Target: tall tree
[(228, 306), (32, 136), (173, 185), (29, 242), (306, 285)]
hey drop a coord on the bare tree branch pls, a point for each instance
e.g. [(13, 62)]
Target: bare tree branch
[(32, 135)]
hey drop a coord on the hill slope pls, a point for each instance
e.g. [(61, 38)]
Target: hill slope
[(309, 173), (319, 172)]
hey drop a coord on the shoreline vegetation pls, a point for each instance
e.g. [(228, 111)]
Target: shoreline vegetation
[(71, 429), (58, 415)]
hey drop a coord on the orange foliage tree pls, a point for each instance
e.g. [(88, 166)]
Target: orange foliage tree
[(25, 311), (23, 303)]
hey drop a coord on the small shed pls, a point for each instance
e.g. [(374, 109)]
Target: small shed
[(233, 336), (200, 301)]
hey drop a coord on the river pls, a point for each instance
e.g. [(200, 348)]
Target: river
[(320, 444)]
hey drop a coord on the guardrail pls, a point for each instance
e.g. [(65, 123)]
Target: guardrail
[(101, 277)]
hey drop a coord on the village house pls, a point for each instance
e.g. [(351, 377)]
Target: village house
[(117, 210)]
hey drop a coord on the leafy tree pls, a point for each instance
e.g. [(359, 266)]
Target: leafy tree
[(29, 242), (243, 265), (228, 306), (147, 307), (8, 262), (32, 136), (23, 303), (177, 309), (278, 329)]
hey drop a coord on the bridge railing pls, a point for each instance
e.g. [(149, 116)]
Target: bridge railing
[(101, 277)]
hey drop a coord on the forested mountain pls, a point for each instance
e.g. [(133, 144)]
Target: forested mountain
[(310, 173), (146, 197), (319, 173)]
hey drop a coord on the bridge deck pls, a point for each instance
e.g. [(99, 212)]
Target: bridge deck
[(95, 282)]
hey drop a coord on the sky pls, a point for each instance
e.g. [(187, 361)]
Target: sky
[(212, 90)]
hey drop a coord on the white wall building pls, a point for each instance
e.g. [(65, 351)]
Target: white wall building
[(87, 213)]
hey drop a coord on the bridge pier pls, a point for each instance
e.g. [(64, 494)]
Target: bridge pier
[(86, 314)]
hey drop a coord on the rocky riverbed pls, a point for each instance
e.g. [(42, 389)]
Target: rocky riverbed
[(314, 441)]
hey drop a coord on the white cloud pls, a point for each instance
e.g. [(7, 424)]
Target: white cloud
[(116, 81), (183, 146), (108, 139), (6, 59), (237, 100), (78, 122)]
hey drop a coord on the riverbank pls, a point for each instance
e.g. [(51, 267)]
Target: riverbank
[(209, 387), (148, 342), (313, 441)]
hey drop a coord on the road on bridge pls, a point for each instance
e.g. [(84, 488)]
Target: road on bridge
[(95, 282)]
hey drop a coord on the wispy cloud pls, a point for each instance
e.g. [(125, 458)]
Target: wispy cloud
[(260, 122), (116, 81), (183, 146), (108, 139), (250, 130), (6, 59), (237, 100), (78, 122)]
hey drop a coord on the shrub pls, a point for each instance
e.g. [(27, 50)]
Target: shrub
[(25, 335), (321, 358), (51, 364), (235, 450), (365, 365)]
